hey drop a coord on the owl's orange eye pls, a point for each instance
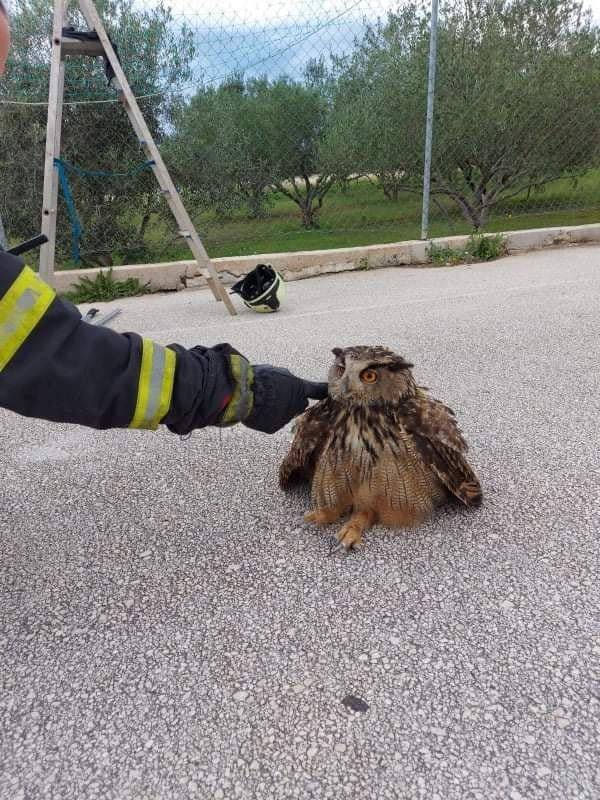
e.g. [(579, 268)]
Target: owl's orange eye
[(368, 376)]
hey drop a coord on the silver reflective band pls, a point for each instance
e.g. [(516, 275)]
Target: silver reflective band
[(241, 403), (23, 304), (155, 387), (21, 309), (156, 376), (244, 404)]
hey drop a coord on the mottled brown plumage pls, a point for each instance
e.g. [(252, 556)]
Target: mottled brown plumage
[(378, 447)]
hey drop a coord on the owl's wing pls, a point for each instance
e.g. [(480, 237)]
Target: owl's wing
[(442, 447), (311, 434)]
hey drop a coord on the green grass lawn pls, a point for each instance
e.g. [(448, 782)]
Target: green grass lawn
[(362, 215)]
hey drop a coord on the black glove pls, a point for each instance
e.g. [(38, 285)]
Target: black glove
[(278, 397)]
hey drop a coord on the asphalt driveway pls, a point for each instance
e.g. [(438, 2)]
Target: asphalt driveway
[(171, 628)]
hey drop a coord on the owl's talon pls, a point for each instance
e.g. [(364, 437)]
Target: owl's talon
[(322, 516), (336, 547), (350, 536)]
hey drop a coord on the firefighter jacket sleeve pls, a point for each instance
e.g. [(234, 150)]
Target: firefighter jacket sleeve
[(55, 366)]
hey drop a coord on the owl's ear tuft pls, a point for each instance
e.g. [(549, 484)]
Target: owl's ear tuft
[(398, 363), (337, 351)]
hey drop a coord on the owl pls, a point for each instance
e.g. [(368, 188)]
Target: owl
[(378, 448)]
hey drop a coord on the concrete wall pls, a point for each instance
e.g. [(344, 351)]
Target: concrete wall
[(177, 275)]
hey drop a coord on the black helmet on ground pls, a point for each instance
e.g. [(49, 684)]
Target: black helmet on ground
[(262, 290)]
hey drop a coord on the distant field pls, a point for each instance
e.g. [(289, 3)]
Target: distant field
[(362, 215)]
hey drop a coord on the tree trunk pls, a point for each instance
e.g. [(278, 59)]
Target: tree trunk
[(391, 189), (309, 215), (391, 183), (143, 225), (472, 212), (309, 203), (475, 219), (484, 214), (256, 204)]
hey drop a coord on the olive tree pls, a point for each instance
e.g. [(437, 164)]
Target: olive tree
[(517, 100), (242, 141), (96, 136)]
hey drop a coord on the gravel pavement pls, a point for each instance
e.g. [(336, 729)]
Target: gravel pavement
[(171, 628)]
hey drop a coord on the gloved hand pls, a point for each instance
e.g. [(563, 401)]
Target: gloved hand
[(218, 386), (278, 397)]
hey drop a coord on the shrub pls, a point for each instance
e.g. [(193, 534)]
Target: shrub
[(105, 287)]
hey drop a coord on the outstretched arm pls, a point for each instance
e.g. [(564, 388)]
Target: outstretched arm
[(55, 366)]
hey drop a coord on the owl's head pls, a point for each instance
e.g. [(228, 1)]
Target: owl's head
[(370, 376)]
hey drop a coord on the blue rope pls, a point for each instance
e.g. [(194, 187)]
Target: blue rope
[(63, 168), (92, 173), (76, 229)]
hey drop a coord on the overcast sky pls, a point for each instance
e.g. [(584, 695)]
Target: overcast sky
[(258, 37), (253, 12), (264, 11)]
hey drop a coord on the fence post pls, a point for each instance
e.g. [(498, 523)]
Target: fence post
[(429, 122)]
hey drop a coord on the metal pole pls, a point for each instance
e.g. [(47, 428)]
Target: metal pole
[(3, 239), (429, 122)]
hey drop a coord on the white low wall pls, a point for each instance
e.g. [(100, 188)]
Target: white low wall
[(177, 275)]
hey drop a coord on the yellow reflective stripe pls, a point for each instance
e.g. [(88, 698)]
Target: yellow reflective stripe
[(242, 401), (155, 385), (21, 308), (143, 385)]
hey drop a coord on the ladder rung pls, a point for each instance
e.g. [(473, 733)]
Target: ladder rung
[(76, 47)]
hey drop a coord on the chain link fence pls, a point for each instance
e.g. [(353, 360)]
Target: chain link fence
[(301, 125)]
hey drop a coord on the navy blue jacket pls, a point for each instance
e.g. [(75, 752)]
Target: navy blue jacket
[(55, 366)]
